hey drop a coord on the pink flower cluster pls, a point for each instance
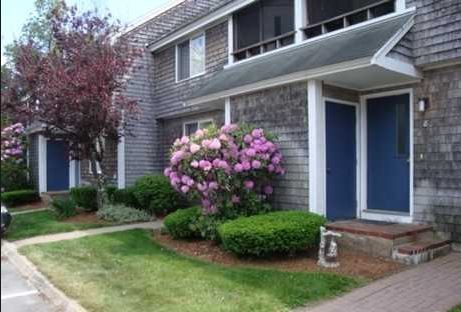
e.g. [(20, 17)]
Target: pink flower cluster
[(217, 165), (11, 143)]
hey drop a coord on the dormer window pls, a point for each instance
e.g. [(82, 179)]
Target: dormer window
[(262, 27), (324, 16)]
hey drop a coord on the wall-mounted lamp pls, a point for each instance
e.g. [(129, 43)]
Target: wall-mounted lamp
[(423, 104)]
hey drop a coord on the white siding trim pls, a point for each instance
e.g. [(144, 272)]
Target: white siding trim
[(121, 175), (42, 188), (230, 39), (72, 173), (316, 118), (300, 19), (227, 112)]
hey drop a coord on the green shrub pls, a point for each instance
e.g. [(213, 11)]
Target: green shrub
[(13, 176), (125, 197), (85, 197), (64, 208), (122, 214), (21, 197), (178, 224), (155, 194), (110, 190), (276, 232)]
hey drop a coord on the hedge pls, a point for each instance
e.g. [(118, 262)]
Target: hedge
[(124, 196), (21, 197), (178, 224), (272, 233), (85, 197), (155, 194)]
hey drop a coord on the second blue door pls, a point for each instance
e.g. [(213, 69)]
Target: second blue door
[(341, 159), (57, 166)]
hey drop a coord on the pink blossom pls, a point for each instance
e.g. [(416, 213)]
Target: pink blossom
[(268, 189), (256, 164), (206, 203), (213, 185), (246, 165), (271, 168), (167, 172), (194, 148), (215, 144), (205, 165), (248, 184), (275, 160), (206, 143), (201, 187), (257, 133), (247, 139), (235, 199), (229, 128), (223, 164), (238, 168), (184, 189), (250, 152), (216, 162), (223, 137), (177, 142), (184, 140), (194, 164), (199, 133)]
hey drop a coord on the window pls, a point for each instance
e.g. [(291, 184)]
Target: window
[(192, 126), (329, 15), (262, 27), (190, 57)]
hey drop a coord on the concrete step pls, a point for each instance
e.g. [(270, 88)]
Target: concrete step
[(421, 251)]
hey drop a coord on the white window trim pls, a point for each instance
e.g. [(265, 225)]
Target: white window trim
[(198, 122), (190, 63)]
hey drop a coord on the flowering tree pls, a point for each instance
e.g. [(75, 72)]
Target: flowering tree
[(75, 88), (224, 167), (12, 142)]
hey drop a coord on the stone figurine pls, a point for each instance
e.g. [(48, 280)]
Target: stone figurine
[(328, 250)]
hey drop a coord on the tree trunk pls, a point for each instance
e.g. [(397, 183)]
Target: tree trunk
[(100, 182)]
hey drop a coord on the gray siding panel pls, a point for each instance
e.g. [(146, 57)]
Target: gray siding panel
[(282, 111)]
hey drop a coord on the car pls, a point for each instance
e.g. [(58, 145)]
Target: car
[(5, 220)]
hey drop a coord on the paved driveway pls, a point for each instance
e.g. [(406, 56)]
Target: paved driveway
[(18, 295)]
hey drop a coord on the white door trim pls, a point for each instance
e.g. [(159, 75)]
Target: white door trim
[(357, 148), (378, 215), (42, 178)]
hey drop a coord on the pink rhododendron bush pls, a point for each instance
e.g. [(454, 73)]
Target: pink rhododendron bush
[(12, 140), (230, 170)]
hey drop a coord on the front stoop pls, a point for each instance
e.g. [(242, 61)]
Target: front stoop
[(407, 243), (421, 251)]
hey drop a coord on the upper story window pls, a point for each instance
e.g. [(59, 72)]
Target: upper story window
[(263, 26), (190, 58), (324, 16)]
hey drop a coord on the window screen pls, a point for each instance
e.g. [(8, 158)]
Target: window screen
[(190, 128), (247, 26), (278, 18), (321, 10), (183, 60)]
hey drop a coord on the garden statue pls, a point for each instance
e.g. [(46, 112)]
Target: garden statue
[(328, 250)]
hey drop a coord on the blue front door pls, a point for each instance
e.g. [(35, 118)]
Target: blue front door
[(388, 163), (340, 161), (57, 165)]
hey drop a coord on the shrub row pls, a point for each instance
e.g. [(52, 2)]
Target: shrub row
[(84, 197), (21, 197), (272, 233)]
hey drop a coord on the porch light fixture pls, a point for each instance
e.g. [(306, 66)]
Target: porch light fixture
[(423, 104)]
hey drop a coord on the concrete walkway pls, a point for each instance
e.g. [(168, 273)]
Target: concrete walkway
[(15, 213), (78, 234), (18, 295), (431, 287)]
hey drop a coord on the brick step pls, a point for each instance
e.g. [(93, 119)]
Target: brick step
[(421, 251)]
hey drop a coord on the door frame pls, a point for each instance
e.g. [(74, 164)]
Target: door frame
[(74, 168), (357, 151), (362, 203)]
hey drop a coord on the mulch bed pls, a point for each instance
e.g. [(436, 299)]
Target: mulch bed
[(30, 206), (85, 217), (352, 263)]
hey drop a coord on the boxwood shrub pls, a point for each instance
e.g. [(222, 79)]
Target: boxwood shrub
[(120, 213), (64, 207), (85, 197), (179, 223), (20, 197), (124, 196), (155, 194), (272, 233)]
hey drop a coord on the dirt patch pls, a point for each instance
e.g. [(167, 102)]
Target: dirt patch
[(353, 263), (85, 217)]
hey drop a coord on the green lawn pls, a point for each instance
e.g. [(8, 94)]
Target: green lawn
[(128, 271), (41, 223), (456, 309)]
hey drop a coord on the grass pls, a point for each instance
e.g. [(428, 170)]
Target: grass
[(128, 271), (455, 309), (40, 223)]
